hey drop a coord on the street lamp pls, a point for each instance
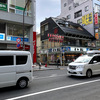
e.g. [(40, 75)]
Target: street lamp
[(23, 21)]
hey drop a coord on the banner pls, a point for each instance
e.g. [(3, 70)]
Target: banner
[(34, 47), (96, 18), (87, 19)]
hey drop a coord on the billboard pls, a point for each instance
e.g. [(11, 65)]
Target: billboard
[(87, 19)]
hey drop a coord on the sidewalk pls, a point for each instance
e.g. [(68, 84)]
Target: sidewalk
[(49, 67)]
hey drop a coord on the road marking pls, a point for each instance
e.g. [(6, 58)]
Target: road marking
[(51, 76), (55, 89)]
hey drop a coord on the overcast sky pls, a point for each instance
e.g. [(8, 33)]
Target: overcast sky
[(46, 9)]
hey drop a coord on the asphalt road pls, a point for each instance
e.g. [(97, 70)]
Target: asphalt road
[(55, 85)]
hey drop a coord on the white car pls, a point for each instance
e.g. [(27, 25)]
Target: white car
[(85, 66)]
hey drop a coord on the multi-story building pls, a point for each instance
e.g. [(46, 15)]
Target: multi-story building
[(84, 12), (63, 39), (11, 24)]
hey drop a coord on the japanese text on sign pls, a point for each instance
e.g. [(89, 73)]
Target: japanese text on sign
[(87, 19)]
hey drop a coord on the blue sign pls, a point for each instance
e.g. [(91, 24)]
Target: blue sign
[(2, 36), (67, 48), (18, 45), (11, 38)]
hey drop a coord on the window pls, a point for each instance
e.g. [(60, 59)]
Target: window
[(6, 60), (97, 8), (78, 14), (21, 60), (3, 1), (46, 27), (17, 6), (79, 21), (69, 16), (70, 8), (86, 8), (16, 30), (96, 58), (42, 30), (65, 4)]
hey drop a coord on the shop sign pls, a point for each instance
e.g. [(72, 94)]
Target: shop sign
[(3, 7), (91, 44), (96, 30), (87, 19), (12, 38), (55, 38), (63, 49), (43, 51), (2, 36), (78, 49), (97, 36), (96, 18), (54, 50)]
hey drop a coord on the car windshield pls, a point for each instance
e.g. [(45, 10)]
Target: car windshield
[(83, 59)]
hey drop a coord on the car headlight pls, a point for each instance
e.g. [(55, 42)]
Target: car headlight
[(80, 66)]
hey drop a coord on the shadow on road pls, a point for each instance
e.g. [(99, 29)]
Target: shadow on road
[(84, 77)]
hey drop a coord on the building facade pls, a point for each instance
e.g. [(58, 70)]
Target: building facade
[(84, 12), (63, 39), (11, 24), (38, 47)]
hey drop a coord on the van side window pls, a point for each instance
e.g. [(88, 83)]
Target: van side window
[(6, 60), (96, 58), (21, 60)]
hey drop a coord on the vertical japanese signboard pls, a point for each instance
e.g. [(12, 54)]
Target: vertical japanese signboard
[(34, 47), (96, 18)]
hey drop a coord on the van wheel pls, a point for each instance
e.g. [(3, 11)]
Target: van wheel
[(89, 73), (22, 83)]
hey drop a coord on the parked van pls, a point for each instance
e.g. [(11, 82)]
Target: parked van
[(86, 65), (15, 68)]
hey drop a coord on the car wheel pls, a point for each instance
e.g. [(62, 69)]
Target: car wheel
[(89, 73), (22, 83)]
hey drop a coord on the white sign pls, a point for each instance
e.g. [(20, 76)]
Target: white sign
[(78, 49)]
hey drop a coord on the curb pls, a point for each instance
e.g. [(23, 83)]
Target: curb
[(46, 69)]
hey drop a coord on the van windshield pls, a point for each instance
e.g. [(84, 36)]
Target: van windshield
[(83, 59)]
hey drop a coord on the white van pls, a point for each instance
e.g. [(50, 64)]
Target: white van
[(15, 68), (86, 65)]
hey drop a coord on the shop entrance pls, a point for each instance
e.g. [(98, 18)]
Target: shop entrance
[(70, 57)]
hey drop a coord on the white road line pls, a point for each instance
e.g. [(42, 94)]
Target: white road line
[(51, 76), (55, 89)]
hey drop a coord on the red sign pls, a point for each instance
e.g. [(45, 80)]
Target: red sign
[(18, 40), (96, 18), (55, 30), (55, 38), (27, 47), (34, 47)]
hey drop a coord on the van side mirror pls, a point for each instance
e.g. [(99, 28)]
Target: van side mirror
[(94, 61)]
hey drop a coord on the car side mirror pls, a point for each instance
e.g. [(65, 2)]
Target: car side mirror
[(94, 61)]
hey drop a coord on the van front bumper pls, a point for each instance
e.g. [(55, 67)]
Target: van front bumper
[(75, 72)]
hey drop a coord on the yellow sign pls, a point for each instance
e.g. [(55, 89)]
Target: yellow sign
[(87, 19)]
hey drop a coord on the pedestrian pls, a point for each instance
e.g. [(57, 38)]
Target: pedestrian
[(58, 61), (40, 65)]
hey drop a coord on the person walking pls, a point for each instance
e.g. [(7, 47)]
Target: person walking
[(40, 65), (58, 61)]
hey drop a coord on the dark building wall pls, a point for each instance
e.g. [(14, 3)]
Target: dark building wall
[(51, 27)]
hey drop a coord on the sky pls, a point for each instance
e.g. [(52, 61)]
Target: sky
[(46, 9)]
